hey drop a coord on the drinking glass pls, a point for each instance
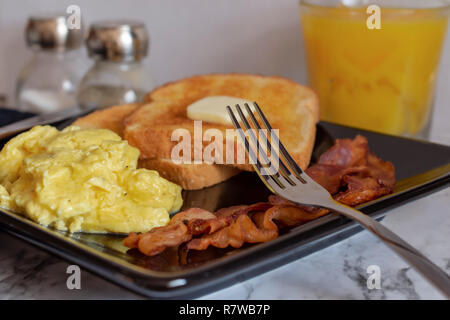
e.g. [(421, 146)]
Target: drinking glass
[(375, 67)]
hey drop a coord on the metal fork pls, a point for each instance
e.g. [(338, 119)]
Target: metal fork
[(295, 185)]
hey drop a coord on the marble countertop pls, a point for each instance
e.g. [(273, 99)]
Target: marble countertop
[(337, 272)]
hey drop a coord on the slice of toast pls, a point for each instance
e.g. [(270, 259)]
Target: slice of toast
[(289, 107), (188, 176)]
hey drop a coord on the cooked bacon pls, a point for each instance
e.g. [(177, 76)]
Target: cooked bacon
[(236, 234), (192, 214), (239, 230), (352, 174), (175, 233), (223, 218), (346, 153), (348, 170)]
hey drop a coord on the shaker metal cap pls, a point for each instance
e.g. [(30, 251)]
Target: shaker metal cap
[(52, 33), (122, 40)]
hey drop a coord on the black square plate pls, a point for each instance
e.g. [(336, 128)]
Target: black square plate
[(421, 168)]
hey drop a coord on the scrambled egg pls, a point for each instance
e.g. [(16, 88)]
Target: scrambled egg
[(83, 180)]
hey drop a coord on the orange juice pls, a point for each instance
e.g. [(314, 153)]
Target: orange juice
[(376, 79)]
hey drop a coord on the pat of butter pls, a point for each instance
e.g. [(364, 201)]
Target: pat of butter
[(213, 109)]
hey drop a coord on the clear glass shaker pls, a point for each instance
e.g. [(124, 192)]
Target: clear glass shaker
[(48, 82), (117, 76)]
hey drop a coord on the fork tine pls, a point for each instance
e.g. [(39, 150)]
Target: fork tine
[(291, 163), (249, 151), (286, 172), (252, 135)]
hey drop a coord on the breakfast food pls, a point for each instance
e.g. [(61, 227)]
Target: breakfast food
[(348, 170), (290, 107), (111, 118), (83, 180)]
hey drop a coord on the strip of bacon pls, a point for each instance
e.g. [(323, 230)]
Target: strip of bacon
[(352, 174), (348, 170), (175, 233), (239, 230)]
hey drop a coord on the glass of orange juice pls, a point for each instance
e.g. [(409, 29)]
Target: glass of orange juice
[(375, 67)]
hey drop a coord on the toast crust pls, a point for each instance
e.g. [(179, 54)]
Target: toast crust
[(110, 118), (190, 176)]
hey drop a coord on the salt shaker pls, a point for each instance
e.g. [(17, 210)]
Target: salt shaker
[(118, 75), (49, 81)]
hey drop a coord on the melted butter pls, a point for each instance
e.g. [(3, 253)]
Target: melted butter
[(213, 109), (83, 180)]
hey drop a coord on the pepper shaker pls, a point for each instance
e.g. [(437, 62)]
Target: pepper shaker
[(118, 75)]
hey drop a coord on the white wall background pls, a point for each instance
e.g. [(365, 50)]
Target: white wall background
[(197, 36)]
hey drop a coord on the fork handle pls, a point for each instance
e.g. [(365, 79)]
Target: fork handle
[(423, 265)]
